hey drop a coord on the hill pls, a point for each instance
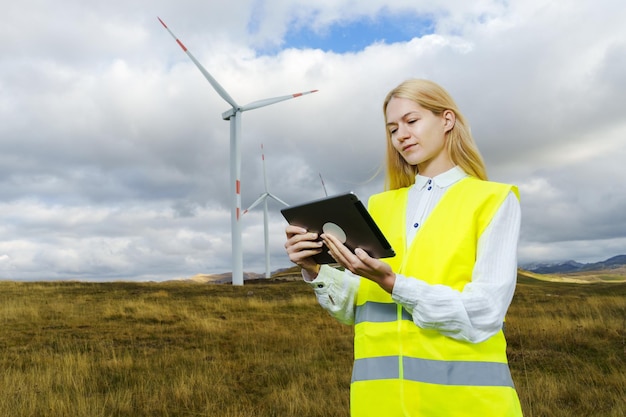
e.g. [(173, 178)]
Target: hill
[(614, 263), (615, 275), (284, 274)]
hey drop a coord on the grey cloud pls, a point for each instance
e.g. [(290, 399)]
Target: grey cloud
[(114, 159)]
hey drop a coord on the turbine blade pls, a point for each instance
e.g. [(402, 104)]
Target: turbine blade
[(220, 90), (256, 203), (323, 185), (277, 199), (268, 101)]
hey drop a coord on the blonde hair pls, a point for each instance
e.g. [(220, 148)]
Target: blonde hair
[(460, 144)]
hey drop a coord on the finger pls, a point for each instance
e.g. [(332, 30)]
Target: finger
[(302, 250), (332, 249), (300, 256), (292, 230), (371, 266), (332, 243), (340, 247), (366, 262), (294, 245), (340, 252), (364, 257), (294, 238)]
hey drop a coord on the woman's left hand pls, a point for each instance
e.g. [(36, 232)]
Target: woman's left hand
[(360, 263)]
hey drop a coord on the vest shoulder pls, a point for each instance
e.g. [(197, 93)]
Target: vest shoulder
[(488, 187), (389, 195)]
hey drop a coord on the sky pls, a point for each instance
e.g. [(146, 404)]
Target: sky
[(114, 161)]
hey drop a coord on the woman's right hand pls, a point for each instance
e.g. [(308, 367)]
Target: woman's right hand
[(301, 246)]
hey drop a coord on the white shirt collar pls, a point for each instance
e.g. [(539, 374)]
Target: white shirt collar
[(443, 180)]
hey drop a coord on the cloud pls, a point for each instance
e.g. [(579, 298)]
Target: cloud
[(114, 159)]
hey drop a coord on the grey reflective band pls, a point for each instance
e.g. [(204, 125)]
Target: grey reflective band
[(382, 367), (487, 374), (379, 313), (374, 312)]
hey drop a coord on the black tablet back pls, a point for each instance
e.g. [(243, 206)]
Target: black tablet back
[(345, 217)]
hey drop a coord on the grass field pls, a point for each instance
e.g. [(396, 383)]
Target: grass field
[(188, 349)]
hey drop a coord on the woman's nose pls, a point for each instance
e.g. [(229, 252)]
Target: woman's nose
[(402, 133)]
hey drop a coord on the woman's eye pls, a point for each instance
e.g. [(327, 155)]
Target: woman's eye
[(411, 121)]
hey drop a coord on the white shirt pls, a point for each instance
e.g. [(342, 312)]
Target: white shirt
[(474, 314)]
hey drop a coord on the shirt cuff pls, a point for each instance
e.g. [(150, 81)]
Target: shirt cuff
[(307, 277), (325, 277), (403, 292)]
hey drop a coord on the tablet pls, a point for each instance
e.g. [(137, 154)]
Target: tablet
[(346, 218)]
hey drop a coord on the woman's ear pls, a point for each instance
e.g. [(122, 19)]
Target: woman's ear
[(449, 120)]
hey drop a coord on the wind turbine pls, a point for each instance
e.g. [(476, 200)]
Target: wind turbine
[(263, 198), (234, 116)]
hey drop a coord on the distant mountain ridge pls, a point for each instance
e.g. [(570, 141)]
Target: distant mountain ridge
[(564, 267), (573, 266)]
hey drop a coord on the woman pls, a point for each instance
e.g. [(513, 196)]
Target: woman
[(428, 322)]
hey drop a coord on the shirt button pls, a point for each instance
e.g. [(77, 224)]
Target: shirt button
[(430, 188), (416, 225)]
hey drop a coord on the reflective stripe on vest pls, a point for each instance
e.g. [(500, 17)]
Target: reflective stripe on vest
[(486, 374), (375, 312), (379, 313)]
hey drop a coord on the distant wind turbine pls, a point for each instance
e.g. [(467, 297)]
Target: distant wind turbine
[(234, 116), (263, 198)]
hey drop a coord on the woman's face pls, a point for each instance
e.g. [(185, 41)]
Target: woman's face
[(419, 135)]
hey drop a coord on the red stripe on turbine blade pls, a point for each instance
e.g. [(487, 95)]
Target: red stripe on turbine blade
[(181, 45), (238, 186), (162, 22), (306, 92)]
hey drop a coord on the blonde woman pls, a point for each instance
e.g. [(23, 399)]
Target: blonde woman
[(428, 323)]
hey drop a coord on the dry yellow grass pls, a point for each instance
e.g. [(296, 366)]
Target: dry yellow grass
[(76, 349), (567, 348), (185, 349)]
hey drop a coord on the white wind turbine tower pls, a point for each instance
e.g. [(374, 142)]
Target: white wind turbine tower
[(263, 198), (234, 116)]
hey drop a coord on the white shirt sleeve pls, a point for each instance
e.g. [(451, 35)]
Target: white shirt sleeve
[(336, 292), (477, 312)]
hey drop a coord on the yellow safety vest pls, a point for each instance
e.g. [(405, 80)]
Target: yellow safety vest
[(403, 370)]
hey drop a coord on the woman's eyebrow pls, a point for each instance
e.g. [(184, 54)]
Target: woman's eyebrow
[(404, 117)]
